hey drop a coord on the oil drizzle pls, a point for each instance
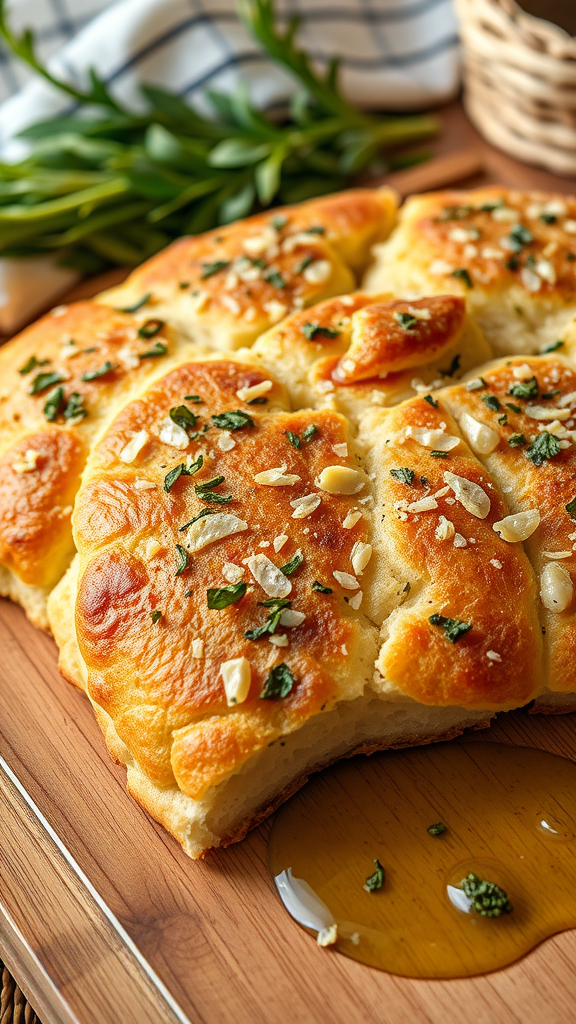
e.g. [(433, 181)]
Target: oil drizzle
[(510, 817)]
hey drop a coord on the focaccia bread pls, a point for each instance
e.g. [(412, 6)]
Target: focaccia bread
[(511, 254)]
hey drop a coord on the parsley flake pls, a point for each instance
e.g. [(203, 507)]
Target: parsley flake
[(492, 402), (45, 380), (486, 898), (452, 369), (293, 564), (278, 684), (516, 440), (314, 331), (406, 321), (438, 455), (158, 349), (208, 269), (453, 628), (182, 560), (514, 408), (150, 328), (438, 829), (462, 274), (194, 398), (182, 417), (375, 882), (545, 446), (525, 389), (31, 364), (181, 470), (269, 627), (137, 305), (53, 403), (321, 589), (156, 615), (310, 431), (431, 401), (404, 475), (571, 508), (274, 277), (233, 420), (75, 407), (305, 263), (221, 597), (293, 439), (101, 371)]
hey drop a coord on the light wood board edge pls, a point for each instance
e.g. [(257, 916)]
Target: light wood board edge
[(37, 868)]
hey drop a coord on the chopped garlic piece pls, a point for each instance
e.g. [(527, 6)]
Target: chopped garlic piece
[(340, 449), (291, 618), (496, 563), (469, 494), (340, 480), (317, 272), (479, 436), (255, 245), (153, 546), (277, 477), (144, 485), (276, 310), (460, 541), (305, 506), (356, 600), (279, 640), (519, 526), (327, 936), (255, 391), (346, 580), (426, 504), (130, 451), (546, 412), (493, 656), (360, 556), (212, 528), (505, 214), (557, 554), (236, 675), (440, 267), (570, 226), (269, 576), (225, 441), (280, 541), (27, 464), (232, 572), (129, 359), (198, 648), (445, 529), (435, 439), (352, 518), (556, 587), (174, 435), (530, 279), (522, 372)]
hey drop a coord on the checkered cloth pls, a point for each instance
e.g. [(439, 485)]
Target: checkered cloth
[(396, 54)]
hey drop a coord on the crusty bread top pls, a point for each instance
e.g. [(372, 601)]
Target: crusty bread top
[(227, 286)]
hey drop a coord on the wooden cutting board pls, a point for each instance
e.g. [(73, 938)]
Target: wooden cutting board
[(104, 920)]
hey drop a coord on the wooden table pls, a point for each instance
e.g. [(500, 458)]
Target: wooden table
[(104, 920)]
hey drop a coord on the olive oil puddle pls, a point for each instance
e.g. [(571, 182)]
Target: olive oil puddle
[(510, 817)]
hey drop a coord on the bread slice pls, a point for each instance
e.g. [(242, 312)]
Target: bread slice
[(511, 254)]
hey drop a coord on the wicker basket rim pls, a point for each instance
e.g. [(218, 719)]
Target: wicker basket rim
[(534, 32)]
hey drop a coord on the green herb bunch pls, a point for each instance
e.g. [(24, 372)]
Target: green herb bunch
[(110, 186)]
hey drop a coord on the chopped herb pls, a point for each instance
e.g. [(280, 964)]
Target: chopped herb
[(208, 485), (551, 394), (431, 401), (279, 221), (276, 607), (293, 564), (489, 207), (453, 628), (137, 305), (313, 331), (274, 278), (516, 440), (571, 508), (375, 881), (404, 475), (45, 380), (438, 455), (158, 349), (456, 212), (571, 256), (183, 285), (530, 260), (278, 684), (208, 269), (102, 371), (156, 615), (406, 321), (150, 328), (424, 481), (220, 597), (316, 229), (492, 402), (310, 431), (520, 236), (182, 417), (181, 470), (261, 400), (212, 498), (548, 218), (545, 446), (525, 389), (321, 589), (476, 385), (503, 420), (53, 403), (452, 369), (188, 593), (438, 829), (513, 408), (486, 898), (232, 420), (182, 559), (305, 263), (512, 263), (75, 406), (32, 363), (462, 274), (194, 398), (204, 512), (293, 439)]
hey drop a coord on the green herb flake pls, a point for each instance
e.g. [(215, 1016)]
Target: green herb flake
[(31, 364), (221, 597), (279, 221), (201, 514), (293, 564), (208, 269), (234, 420), (45, 380), (438, 829), (438, 455), (182, 417), (150, 328), (181, 470), (453, 628), (513, 408), (550, 394), (274, 278), (548, 218), (545, 446), (269, 627), (520, 236), (182, 560), (503, 420), (310, 432), (212, 498), (209, 485), (314, 331), (156, 615), (137, 305), (571, 508), (278, 684), (321, 589), (525, 389), (53, 403), (194, 398), (492, 402), (75, 407), (486, 898), (375, 882), (516, 440), (512, 263), (293, 439), (305, 263), (158, 349), (462, 274), (316, 229), (404, 475), (183, 285), (431, 401), (476, 385), (452, 369), (101, 371), (406, 321)]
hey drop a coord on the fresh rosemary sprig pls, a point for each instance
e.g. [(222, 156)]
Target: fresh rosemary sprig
[(103, 185)]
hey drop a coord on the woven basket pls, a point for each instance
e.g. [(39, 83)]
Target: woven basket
[(14, 1007), (520, 82)]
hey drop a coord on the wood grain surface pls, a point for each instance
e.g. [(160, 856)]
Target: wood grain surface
[(104, 920)]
